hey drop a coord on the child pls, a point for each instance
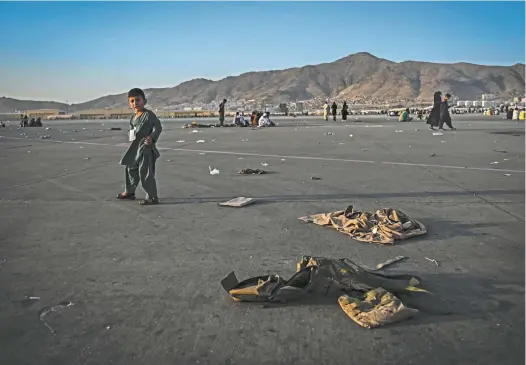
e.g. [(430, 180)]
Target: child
[(140, 157)]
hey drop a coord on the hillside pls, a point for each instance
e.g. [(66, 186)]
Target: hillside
[(9, 105), (357, 75)]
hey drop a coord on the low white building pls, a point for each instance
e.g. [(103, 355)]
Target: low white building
[(477, 103), (468, 103), (461, 103), (488, 104)]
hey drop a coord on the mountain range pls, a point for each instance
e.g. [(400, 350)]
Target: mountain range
[(359, 75)]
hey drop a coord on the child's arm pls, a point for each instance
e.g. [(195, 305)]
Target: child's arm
[(157, 128)]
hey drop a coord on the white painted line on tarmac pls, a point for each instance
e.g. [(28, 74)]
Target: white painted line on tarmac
[(311, 158)]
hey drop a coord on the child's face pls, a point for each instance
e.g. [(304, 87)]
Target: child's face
[(136, 103)]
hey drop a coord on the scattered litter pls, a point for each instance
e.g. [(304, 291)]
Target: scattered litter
[(501, 151), (81, 147), (115, 129), (44, 137), (315, 178), (244, 140), (200, 141), (432, 155), (248, 171), (282, 159), (416, 130), (74, 130), (48, 128), (364, 149), (409, 146), (101, 130), (214, 171), (237, 202), (32, 298), (507, 174), (86, 158), (385, 226), (202, 153), (181, 141), (240, 158), (442, 141), (329, 134), (498, 141), (196, 131), (350, 135), (168, 160), (494, 163), (438, 133), (432, 260), (45, 311), (264, 164), (370, 299), (341, 143), (399, 131), (389, 262), (28, 151), (506, 159)]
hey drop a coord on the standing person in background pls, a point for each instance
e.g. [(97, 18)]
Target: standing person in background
[(222, 112), (444, 114), (345, 111), (326, 110), (142, 154), (434, 115), (334, 108)]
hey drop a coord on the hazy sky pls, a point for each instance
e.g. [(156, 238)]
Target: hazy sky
[(80, 51)]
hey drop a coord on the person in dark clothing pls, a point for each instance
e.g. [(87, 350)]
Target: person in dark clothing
[(434, 115), (345, 111), (334, 108), (222, 112), (445, 117), (509, 113)]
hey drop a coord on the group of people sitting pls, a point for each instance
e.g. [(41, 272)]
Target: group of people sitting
[(31, 123), (257, 118), (515, 114)]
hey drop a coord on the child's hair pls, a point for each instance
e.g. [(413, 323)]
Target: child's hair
[(136, 92)]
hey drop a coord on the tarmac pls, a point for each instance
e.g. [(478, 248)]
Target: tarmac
[(145, 280)]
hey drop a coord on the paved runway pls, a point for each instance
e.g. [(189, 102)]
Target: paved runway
[(144, 281)]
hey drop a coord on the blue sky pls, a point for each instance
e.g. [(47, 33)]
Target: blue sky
[(78, 51)]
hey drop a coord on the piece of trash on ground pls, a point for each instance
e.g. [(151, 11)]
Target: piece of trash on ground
[(44, 137), (200, 141), (264, 164), (350, 135), (329, 134), (501, 151), (240, 158), (507, 174), (32, 298), (115, 129), (389, 262), (399, 131), (248, 171), (45, 311), (202, 153), (282, 159), (181, 141), (432, 155), (315, 178), (86, 158), (384, 227), (432, 260), (370, 299), (494, 163), (364, 149), (48, 128), (438, 133), (237, 202), (244, 140), (213, 171)]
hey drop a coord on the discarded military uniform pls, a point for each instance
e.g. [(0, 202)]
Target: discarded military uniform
[(385, 226), (140, 158), (370, 299), (378, 308)]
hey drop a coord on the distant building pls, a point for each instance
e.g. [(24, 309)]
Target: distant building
[(468, 103), (477, 103), (488, 104), (461, 103), (300, 106), (43, 113)]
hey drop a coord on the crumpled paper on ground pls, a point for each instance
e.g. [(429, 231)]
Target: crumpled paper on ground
[(384, 227)]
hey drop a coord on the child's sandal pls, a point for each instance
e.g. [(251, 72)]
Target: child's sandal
[(126, 196), (153, 201)]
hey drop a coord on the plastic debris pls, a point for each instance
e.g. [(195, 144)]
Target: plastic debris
[(432, 155), (181, 141), (213, 171), (48, 128), (45, 137), (315, 178), (350, 135), (438, 134), (115, 129), (248, 171), (32, 298), (244, 140), (364, 149), (507, 174), (240, 158), (264, 164), (494, 163), (282, 159), (389, 262), (432, 260), (45, 311), (399, 131), (202, 153), (237, 202), (200, 141), (501, 151), (329, 134)]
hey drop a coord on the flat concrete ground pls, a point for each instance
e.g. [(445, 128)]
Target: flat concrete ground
[(145, 281)]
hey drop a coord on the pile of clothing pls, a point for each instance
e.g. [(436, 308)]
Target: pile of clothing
[(370, 299), (384, 227)]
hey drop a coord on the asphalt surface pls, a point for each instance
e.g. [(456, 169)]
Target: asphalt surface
[(145, 281)]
